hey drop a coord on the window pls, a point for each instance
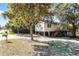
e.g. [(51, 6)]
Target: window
[(49, 25)]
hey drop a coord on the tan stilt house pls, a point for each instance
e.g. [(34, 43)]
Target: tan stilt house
[(46, 27)]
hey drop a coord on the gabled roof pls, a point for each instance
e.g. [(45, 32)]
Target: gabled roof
[(51, 19)]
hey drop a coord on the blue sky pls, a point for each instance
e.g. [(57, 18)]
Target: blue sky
[(3, 7)]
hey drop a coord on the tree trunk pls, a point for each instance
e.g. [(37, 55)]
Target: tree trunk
[(74, 30), (31, 33), (17, 30), (6, 38), (6, 35)]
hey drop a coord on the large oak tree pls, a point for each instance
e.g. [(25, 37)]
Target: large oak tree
[(69, 15), (31, 13)]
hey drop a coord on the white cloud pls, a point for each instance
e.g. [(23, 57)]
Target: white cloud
[(1, 12)]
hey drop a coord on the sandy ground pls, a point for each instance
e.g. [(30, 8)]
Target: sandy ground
[(18, 47), (39, 38), (21, 45)]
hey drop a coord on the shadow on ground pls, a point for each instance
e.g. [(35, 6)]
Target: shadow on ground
[(56, 49)]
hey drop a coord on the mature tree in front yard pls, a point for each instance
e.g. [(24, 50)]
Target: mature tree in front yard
[(68, 14), (30, 13), (14, 20)]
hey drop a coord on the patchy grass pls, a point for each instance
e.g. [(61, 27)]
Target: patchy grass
[(64, 49), (25, 47), (57, 48), (16, 47), (20, 47), (9, 32)]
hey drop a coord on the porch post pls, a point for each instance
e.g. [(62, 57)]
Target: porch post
[(38, 33), (48, 33), (44, 34), (35, 32)]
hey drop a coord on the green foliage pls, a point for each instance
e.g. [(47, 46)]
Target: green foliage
[(26, 14), (63, 49), (68, 14), (0, 27), (9, 32), (59, 48)]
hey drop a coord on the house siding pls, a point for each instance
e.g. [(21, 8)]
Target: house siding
[(42, 27), (39, 27), (53, 27)]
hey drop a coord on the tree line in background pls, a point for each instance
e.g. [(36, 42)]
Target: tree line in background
[(27, 15)]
